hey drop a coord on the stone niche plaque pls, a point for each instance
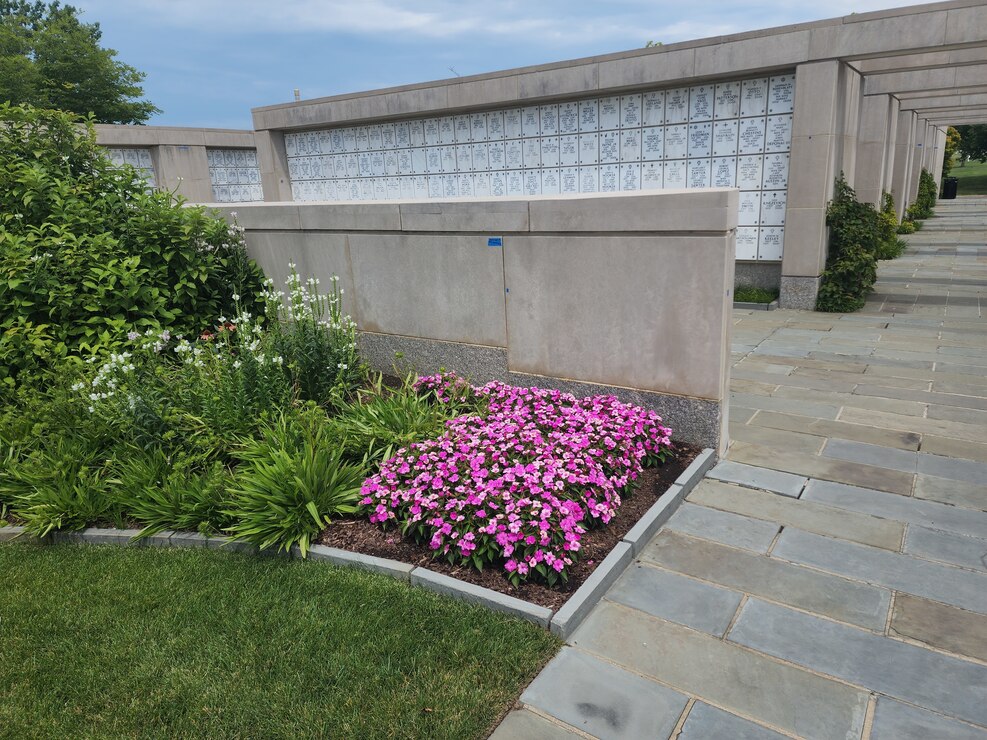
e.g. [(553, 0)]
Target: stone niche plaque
[(630, 111), (674, 174), (771, 244), (699, 173), (653, 143), (651, 176), (569, 118), (724, 172), (653, 105), (481, 185), (496, 155), (700, 139), (630, 145), (549, 115), (450, 186), (589, 149), (405, 166), (778, 136), (362, 138), (589, 115), (754, 97), (773, 207), (747, 242), (781, 94), (421, 186), (701, 103), (550, 182), (349, 140), (466, 186), (532, 182), (513, 153), (464, 158), (463, 129), (478, 127), (676, 142), (630, 176), (751, 136), (433, 160), (569, 179), (391, 162), (609, 178), (393, 187), (550, 151), (375, 137), (749, 213), (531, 153), (569, 150), (512, 123), (495, 125), (498, 184), (610, 147), (481, 160), (609, 114), (589, 179), (530, 122), (749, 172), (431, 131), (447, 130), (775, 175), (724, 138), (677, 105), (515, 182)]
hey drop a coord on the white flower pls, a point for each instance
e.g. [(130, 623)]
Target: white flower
[(236, 297), (236, 364)]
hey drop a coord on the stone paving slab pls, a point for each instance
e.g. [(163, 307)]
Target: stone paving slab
[(896, 721), (525, 725), (730, 529), (950, 685), (729, 676), (962, 588), (767, 437), (954, 493), (785, 405), (970, 471), (944, 627), (901, 422), (956, 448), (837, 429), (603, 700), (678, 599), (849, 601), (902, 508), (869, 454), (754, 477), (954, 549), (807, 515), (708, 723)]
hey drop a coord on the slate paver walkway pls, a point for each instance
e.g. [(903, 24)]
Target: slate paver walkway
[(829, 578)]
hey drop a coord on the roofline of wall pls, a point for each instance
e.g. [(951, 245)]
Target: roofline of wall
[(108, 134)]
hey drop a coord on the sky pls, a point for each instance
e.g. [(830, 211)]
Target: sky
[(208, 62)]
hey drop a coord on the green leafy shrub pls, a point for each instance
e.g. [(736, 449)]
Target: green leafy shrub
[(892, 249), (88, 253), (751, 294), (907, 227), (855, 236), (925, 201), (289, 483)]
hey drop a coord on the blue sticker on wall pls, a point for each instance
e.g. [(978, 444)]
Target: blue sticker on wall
[(495, 241)]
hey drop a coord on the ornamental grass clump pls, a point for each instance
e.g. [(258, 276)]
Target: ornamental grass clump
[(518, 486)]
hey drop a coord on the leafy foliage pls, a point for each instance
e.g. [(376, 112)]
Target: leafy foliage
[(926, 199), (855, 235), (973, 142), (86, 253), (49, 58), (953, 140), (753, 294)]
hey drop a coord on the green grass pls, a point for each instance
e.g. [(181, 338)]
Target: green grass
[(972, 178), (750, 294), (125, 642)]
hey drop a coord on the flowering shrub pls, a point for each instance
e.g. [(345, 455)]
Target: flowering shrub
[(519, 486)]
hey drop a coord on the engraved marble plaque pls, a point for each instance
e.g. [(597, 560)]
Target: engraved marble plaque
[(433, 160), (325, 142), (464, 158), (651, 178), (569, 178), (407, 187), (781, 94), (402, 135), (725, 172), (676, 142), (367, 189), (416, 133), (390, 162), (609, 178), (751, 138), (421, 186), (699, 173), (724, 138), (569, 150), (496, 156), (550, 182), (480, 161), (387, 139), (336, 138), (349, 140), (754, 97), (653, 143), (700, 139), (515, 182), (749, 213), (419, 161), (653, 113), (512, 123), (435, 188), (356, 189), (377, 163), (513, 155), (550, 151), (481, 185), (498, 184), (531, 153), (677, 105), (630, 111), (589, 115), (749, 172), (549, 115), (589, 149), (701, 103), (630, 145), (290, 148), (775, 172), (450, 186), (431, 131), (380, 189), (366, 170), (495, 126), (447, 131), (773, 207), (610, 147), (374, 138), (532, 182), (779, 134), (362, 138), (462, 129), (771, 243), (393, 188), (530, 122), (478, 127), (589, 179), (569, 118), (674, 174), (465, 185), (630, 176), (405, 165), (747, 242), (448, 159)]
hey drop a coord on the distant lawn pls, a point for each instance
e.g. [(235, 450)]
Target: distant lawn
[(113, 642), (972, 178)]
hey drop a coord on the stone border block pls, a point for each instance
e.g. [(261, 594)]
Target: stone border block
[(697, 469), (649, 524), (108, 536), (574, 610), (401, 571), (74, 538), (8, 534), (160, 539), (493, 600), (190, 539), (746, 306)]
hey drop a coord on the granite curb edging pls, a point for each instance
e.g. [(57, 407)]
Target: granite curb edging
[(750, 306), (561, 622)]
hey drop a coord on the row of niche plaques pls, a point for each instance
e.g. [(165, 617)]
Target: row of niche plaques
[(234, 175), (237, 193), (763, 244), (692, 141), (138, 158), (715, 102)]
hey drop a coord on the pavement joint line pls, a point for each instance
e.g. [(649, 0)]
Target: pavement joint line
[(556, 721), (736, 615), (887, 621), (898, 637), (869, 716), (677, 730)]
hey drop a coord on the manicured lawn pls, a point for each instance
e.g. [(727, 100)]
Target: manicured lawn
[(972, 178), (99, 642)]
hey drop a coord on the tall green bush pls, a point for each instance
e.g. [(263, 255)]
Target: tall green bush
[(925, 201), (855, 236), (87, 253)]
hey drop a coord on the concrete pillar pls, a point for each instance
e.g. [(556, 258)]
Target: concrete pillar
[(273, 163), (904, 148), (918, 158), (872, 148), (824, 133), (939, 156), (894, 108), (183, 169)]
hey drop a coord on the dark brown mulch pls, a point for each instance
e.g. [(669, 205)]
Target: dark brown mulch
[(359, 535)]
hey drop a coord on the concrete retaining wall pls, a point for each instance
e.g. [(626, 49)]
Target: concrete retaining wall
[(622, 293)]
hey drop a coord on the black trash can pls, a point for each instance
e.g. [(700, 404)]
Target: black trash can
[(949, 188)]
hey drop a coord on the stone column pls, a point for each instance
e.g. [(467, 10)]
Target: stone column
[(823, 144), (903, 151), (938, 157), (273, 162), (890, 144), (872, 148), (918, 158), (183, 169)]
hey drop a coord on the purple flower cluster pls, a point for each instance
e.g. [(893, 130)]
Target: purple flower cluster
[(518, 486)]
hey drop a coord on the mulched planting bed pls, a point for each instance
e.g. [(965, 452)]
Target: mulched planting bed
[(360, 535)]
